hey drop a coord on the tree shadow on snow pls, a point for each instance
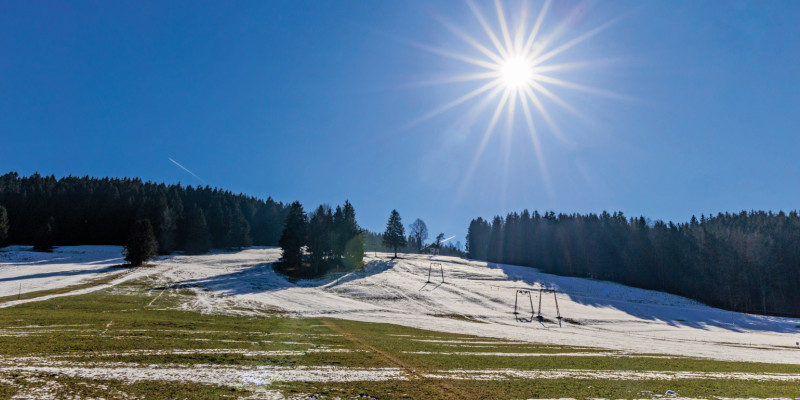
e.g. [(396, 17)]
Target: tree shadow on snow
[(52, 274), (644, 304), (262, 278)]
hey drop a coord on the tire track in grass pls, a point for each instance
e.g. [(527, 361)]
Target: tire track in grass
[(443, 389)]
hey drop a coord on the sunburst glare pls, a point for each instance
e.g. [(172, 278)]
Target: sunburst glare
[(515, 70)]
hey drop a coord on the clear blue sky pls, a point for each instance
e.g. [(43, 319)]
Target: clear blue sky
[(320, 102)]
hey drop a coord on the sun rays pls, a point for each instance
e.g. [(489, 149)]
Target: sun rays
[(514, 67)]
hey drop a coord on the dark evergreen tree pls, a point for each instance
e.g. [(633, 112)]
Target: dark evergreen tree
[(354, 239), (198, 240), (338, 234), (218, 218), (320, 238), (171, 217), (239, 234), (496, 240), (142, 244), (294, 236), (45, 236), (394, 236), (3, 226), (478, 239)]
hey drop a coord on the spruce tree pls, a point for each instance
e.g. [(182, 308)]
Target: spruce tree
[(218, 218), (319, 238), (294, 235), (171, 216), (198, 239), (3, 226), (477, 239), (354, 244), (45, 236), (239, 234), (338, 234), (142, 244), (496, 240), (395, 236)]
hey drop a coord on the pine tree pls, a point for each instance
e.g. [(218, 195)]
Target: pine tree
[(45, 236), (198, 240), (167, 239), (395, 236), (142, 244), (218, 219), (239, 234), (320, 237), (294, 235), (496, 240), (354, 239), (3, 226), (338, 234)]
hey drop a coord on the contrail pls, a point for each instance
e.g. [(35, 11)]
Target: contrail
[(185, 169)]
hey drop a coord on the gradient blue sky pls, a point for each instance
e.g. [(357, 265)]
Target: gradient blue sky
[(315, 101)]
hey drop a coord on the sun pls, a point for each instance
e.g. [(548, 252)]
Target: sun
[(517, 69), (516, 72), (517, 75)]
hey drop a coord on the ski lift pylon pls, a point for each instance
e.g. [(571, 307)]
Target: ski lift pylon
[(430, 270)]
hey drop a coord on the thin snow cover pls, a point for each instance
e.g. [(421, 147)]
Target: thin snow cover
[(597, 314), (219, 375), (499, 354), (23, 270), (244, 352), (231, 375), (493, 375), (266, 374)]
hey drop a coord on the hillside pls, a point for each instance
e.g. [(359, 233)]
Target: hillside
[(475, 298)]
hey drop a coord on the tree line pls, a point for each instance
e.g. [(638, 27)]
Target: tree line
[(394, 239), (45, 211), (748, 262), (314, 244)]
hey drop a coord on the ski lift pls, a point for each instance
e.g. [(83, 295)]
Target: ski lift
[(430, 270), (516, 299), (539, 316)]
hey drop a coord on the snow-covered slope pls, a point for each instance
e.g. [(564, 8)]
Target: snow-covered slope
[(597, 314), (23, 270)]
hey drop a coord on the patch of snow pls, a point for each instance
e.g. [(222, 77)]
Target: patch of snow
[(23, 270)]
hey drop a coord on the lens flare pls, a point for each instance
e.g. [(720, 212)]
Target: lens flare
[(515, 67)]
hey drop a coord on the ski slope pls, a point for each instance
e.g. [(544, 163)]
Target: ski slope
[(475, 298), (24, 271)]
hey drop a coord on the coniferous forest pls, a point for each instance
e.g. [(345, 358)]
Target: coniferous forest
[(747, 262), (45, 211)]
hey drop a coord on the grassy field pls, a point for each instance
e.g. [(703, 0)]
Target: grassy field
[(122, 343)]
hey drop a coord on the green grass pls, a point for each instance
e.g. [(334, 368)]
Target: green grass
[(102, 326), (543, 388), (65, 387)]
